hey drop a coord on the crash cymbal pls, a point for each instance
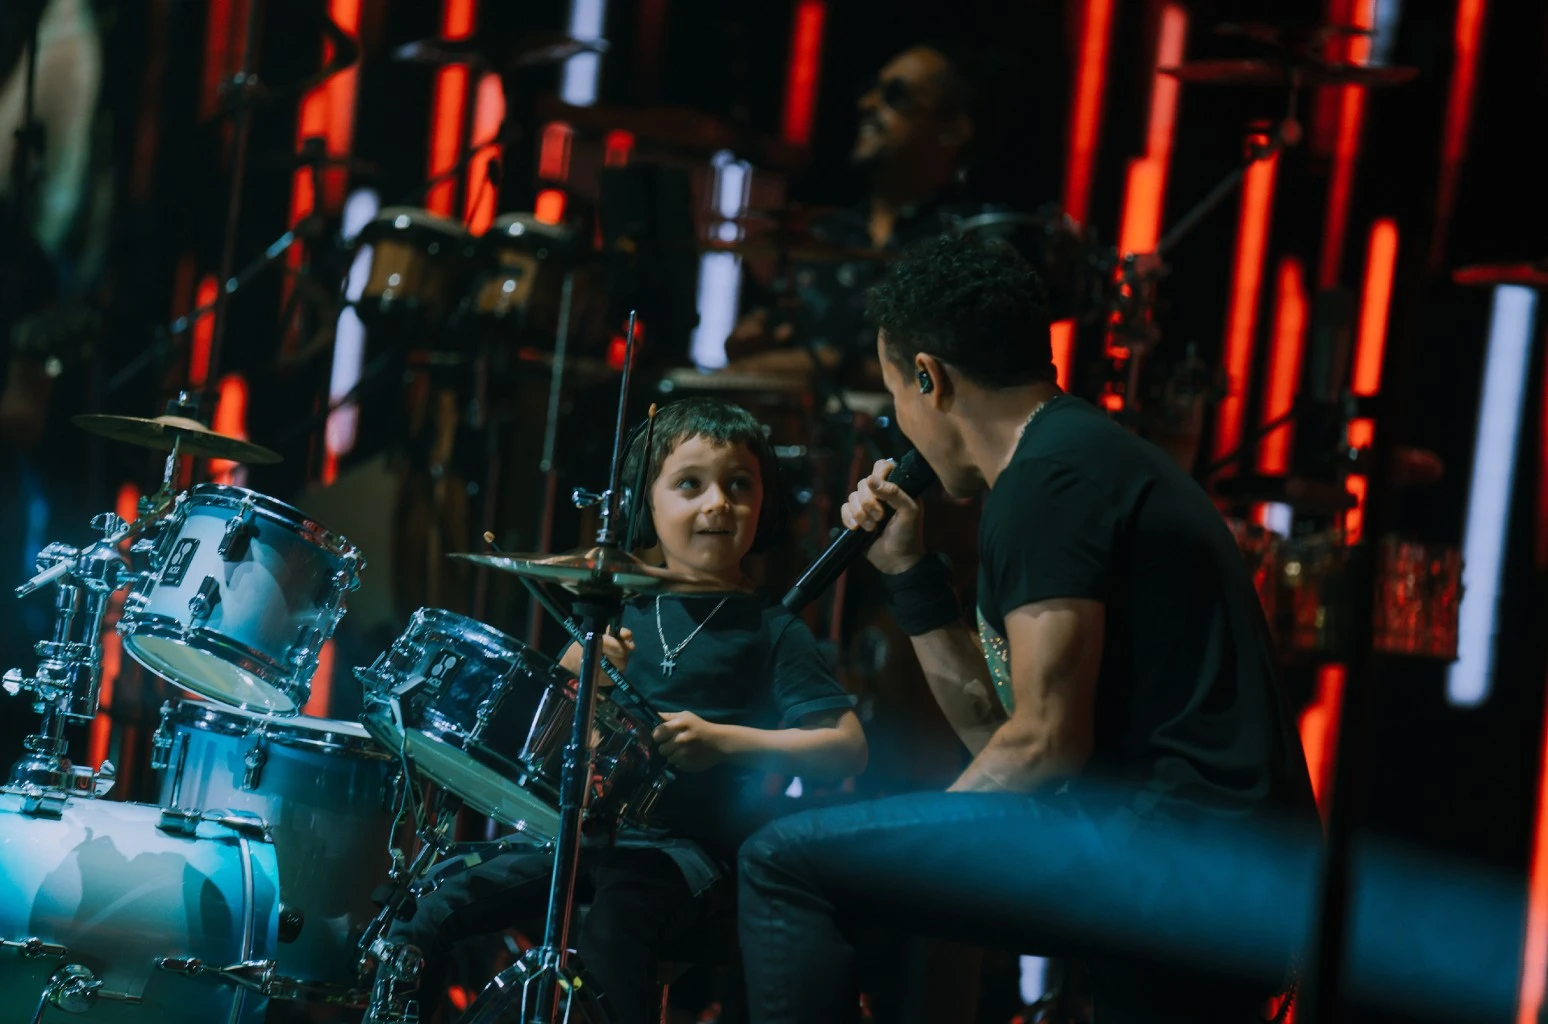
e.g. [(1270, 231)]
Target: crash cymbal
[(1275, 74), (679, 129), (595, 569), (1532, 274), (533, 50), (191, 437), (1408, 466)]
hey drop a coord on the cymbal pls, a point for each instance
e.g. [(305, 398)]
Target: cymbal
[(1009, 218), (675, 128), (595, 569), (533, 50), (1274, 74), (191, 436), (1409, 466), (690, 379), (1313, 497), (1532, 274), (288, 161)]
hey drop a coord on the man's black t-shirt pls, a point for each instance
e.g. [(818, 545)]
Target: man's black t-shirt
[(752, 664), (1188, 704)]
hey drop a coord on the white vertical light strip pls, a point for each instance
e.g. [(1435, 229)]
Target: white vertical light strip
[(349, 333), (1506, 363), (582, 72), (720, 273), (1034, 979), (1388, 15), (1278, 518)]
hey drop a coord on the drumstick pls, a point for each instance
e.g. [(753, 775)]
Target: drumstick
[(636, 503)]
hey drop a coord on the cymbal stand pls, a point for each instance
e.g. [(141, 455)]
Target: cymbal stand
[(547, 968), (397, 963)]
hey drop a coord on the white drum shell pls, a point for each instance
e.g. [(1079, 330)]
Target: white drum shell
[(324, 788), (104, 881), (277, 604)]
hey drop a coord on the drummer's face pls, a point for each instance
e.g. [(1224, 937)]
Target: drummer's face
[(705, 506), (901, 112)]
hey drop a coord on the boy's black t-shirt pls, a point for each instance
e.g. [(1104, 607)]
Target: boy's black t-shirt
[(752, 664), (1188, 703)]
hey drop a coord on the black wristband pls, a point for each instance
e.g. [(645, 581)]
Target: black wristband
[(922, 598)]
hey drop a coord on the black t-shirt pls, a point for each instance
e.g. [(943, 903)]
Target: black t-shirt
[(753, 664), (1188, 703)]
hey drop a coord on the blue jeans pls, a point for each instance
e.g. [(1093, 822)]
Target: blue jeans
[(1180, 918)]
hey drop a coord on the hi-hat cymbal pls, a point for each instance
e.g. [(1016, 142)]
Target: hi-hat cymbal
[(595, 569), (190, 436), (1533, 274), (1273, 74)]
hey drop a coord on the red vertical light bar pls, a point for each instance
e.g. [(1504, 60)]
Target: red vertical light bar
[(99, 739), (230, 419), (1145, 191), (549, 206), (1061, 337), (219, 54), (1534, 956), (805, 70), (1380, 264), (1319, 731), (488, 115), (554, 151), (447, 100), (1246, 281), (1351, 125), (203, 333), (1326, 101), (317, 705), (617, 147), (1086, 114), (1284, 363), (1468, 36)]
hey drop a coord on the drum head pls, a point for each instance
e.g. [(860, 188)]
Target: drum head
[(209, 675), (484, 789)]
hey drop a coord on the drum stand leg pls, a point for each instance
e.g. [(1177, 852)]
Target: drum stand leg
[(397, 963)]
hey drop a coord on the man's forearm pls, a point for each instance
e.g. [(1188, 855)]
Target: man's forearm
[(954, 668), (830, 752)]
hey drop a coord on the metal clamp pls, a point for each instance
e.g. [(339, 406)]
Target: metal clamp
[(161, 740), (252, 764), (73, 988), (180, 822), (93, 784), (252, 975)]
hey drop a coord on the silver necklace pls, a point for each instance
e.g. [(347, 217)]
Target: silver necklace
[(1045, 403), (669, 654)]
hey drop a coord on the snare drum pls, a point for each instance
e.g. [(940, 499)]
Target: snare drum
[(245, 591), (327, 792), (487, 717), (104, 888), (418, 268)]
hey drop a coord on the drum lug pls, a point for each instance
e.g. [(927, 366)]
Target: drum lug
[(73, 988), (253, 764), (204, 601), (161, 740), (239, 532), (308, 641), (93, 784), (34, 948)]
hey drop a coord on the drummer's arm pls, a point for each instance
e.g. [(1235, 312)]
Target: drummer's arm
[(824, 745)]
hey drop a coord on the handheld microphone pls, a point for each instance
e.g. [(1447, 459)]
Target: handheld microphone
[(914, 475)]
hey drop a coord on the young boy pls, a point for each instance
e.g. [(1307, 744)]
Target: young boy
[(742, 689)]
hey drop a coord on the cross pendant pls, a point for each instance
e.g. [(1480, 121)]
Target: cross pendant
[(668, 663)]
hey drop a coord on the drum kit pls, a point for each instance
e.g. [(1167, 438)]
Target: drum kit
[(272, 867)]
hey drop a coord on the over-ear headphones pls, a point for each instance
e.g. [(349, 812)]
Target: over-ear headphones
[(926, 385)]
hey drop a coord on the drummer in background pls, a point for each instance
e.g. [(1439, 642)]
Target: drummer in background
[(743, 691), (923, 122)]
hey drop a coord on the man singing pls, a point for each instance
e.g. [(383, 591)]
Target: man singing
[(1120, 684)]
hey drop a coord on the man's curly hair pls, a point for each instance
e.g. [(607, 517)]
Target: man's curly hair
[(975, 304)]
